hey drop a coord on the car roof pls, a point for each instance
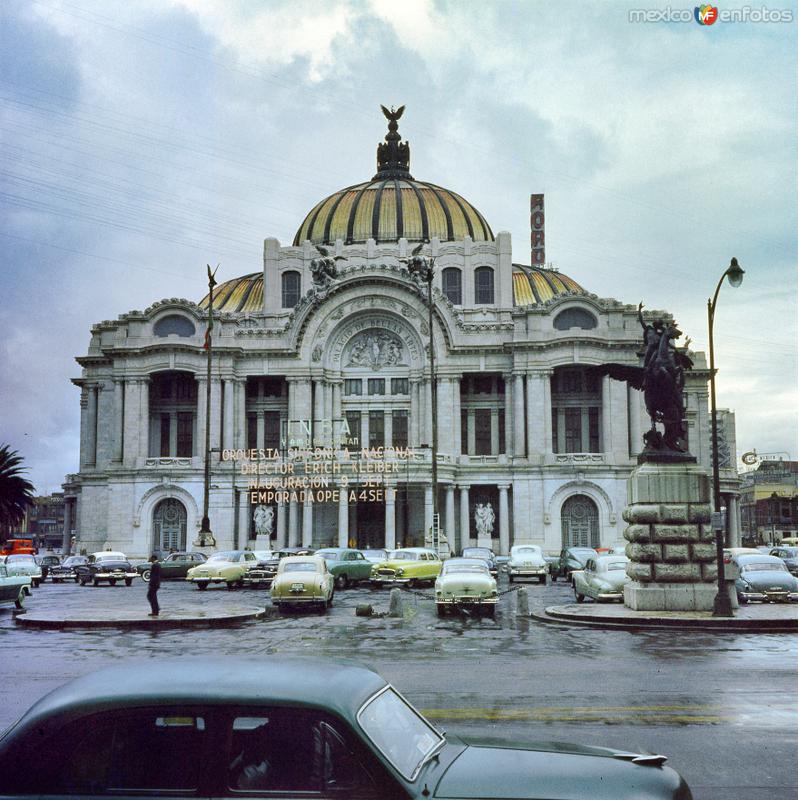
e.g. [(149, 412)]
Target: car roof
[(334, 684), (466, 562), (414, 550), (111, 553), (758, 558)]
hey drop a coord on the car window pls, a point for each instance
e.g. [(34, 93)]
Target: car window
[(300, 566), (3, 571), (158, 751)]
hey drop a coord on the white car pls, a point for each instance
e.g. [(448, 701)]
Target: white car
[(527, 561), (466, 583), (13, 588), (603, 578), (24, 565), (302, 581)]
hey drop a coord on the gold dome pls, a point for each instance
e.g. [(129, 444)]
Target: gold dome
[(533, 285), (242, 295), (393, 205)]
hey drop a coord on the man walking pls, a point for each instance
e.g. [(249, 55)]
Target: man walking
[(154, 585)]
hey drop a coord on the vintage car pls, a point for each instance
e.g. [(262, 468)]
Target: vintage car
[(408, 565), (466, 583), (174, 567), (603, 578), (226, 566), (764, 578), (484, 554), (346, 565), (47, 563), (109, 566), (302, 581), (259, 573), (730, 552), (789, 555), (13, 588), (269, 567), (65, 571), (285, 727), (571, 558), (527, 561), (25, 565)]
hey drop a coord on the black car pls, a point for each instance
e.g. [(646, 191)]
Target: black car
[(175, 566), (47, 563), (108, 566), (484, 554), (266, 570), (65, 571), (571, 558), (288, 728)]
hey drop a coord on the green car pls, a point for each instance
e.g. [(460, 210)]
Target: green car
[(174, 567), (410, 565), (288, 727), (346, 565)]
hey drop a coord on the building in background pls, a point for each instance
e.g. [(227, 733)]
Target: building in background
[(524, 426), (769, 502)]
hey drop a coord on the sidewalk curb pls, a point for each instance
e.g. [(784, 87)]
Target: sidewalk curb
[(552, 615), (166, 622)]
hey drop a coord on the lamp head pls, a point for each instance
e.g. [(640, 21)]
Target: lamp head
[(735, 273)]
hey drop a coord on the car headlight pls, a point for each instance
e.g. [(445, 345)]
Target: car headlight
[(400, 571)]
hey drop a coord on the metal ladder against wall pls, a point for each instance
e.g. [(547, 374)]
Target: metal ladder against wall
[(435, 540)]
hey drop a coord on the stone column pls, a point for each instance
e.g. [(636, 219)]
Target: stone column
[(352, 517), (635, 421), (548, 446), (228, 431), (427, 512), (282, 526), (84, 426), (456, 418), (606, 416), (465, 517), (390, 516), (337, 407), (450, 529), (318, 412), (343, 516), (199, 441), (508, 414), (387, 427), (260, 430), (216, 415), (471, 431), (131, 423), (504, 519), (293, 523), (67, 531), (91, 426), (536, 414), (329, 391), (241, 413), (415, 414), (427, 419), (494, 432), (307, 523), (619, 410), (733, 515), (144, 418), (364, 428), (119, 421), (519, 437)]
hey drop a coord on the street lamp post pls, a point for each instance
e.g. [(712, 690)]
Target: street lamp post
[(424, 268), (722, 606)]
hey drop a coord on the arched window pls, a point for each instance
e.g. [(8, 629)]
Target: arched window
[(291, 283), (169, 525), (453, 285), (483, 286), (575, 318), (174, 323)]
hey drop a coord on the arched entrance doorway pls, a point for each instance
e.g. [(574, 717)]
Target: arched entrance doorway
[(580, 523), (169, 525)]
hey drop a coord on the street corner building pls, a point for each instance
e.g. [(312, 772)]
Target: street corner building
[(327, 347)]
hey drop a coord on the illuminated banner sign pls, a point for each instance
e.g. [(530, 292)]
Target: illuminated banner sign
[(537, 222)]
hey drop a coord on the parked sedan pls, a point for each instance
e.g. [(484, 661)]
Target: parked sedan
[(288, 727), (47, 563), (25, 565), (465, 583), (764, 578), (410, 565), (789, 555), (571, 558), (174, 567), (13, 588), (109, 566), (527, 561), (226, 566), (346, 565), (303, 581), (269, 567), (66, 570), (260, 573), (485, 554), (603, 578)]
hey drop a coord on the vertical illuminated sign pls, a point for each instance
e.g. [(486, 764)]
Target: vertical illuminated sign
[(537, 222)]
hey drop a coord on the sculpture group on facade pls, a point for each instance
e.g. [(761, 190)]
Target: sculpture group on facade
[(484, 519), (324, 270), (263, 517), (375, 350)]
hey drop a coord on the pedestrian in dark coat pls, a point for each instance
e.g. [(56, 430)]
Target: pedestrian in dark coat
[(154, 585)]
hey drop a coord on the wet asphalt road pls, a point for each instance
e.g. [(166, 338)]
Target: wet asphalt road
[(722, 707)]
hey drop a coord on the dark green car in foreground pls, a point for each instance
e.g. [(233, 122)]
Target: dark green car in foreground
[(287, 728)]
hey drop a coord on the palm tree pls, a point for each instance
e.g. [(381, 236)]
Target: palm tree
[(16, 492)]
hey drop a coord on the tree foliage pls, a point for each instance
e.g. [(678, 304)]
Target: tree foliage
[(16, 491)]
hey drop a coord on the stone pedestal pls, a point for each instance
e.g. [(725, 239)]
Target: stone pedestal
[(485, 541), (671, 543)]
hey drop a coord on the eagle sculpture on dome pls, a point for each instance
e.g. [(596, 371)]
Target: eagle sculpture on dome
[(393, 116)]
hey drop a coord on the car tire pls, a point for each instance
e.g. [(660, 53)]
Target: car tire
[(77, 579), (112, 581), (95, 582), (412, 583), (145, 576), (202, 585), (128, 581), (490, 611), (441, 609), (554, 579), (56, 580), (580, 598), (329, 602), (542, 580), (20, 601), (511, 578), (341, 582), (36, 584)]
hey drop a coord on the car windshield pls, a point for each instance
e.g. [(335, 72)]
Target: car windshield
[(229, 555), (299, 566), (763, 567), (73, 560), (399, 732), (21, 560), (405, 556), (329, 555), (616, 565)]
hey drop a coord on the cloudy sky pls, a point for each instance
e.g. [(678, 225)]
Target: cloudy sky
[(142, 139)]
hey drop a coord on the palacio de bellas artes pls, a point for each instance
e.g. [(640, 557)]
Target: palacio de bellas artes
[(345, 407)]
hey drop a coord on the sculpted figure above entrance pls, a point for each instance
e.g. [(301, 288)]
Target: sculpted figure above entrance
[(375, 349)]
